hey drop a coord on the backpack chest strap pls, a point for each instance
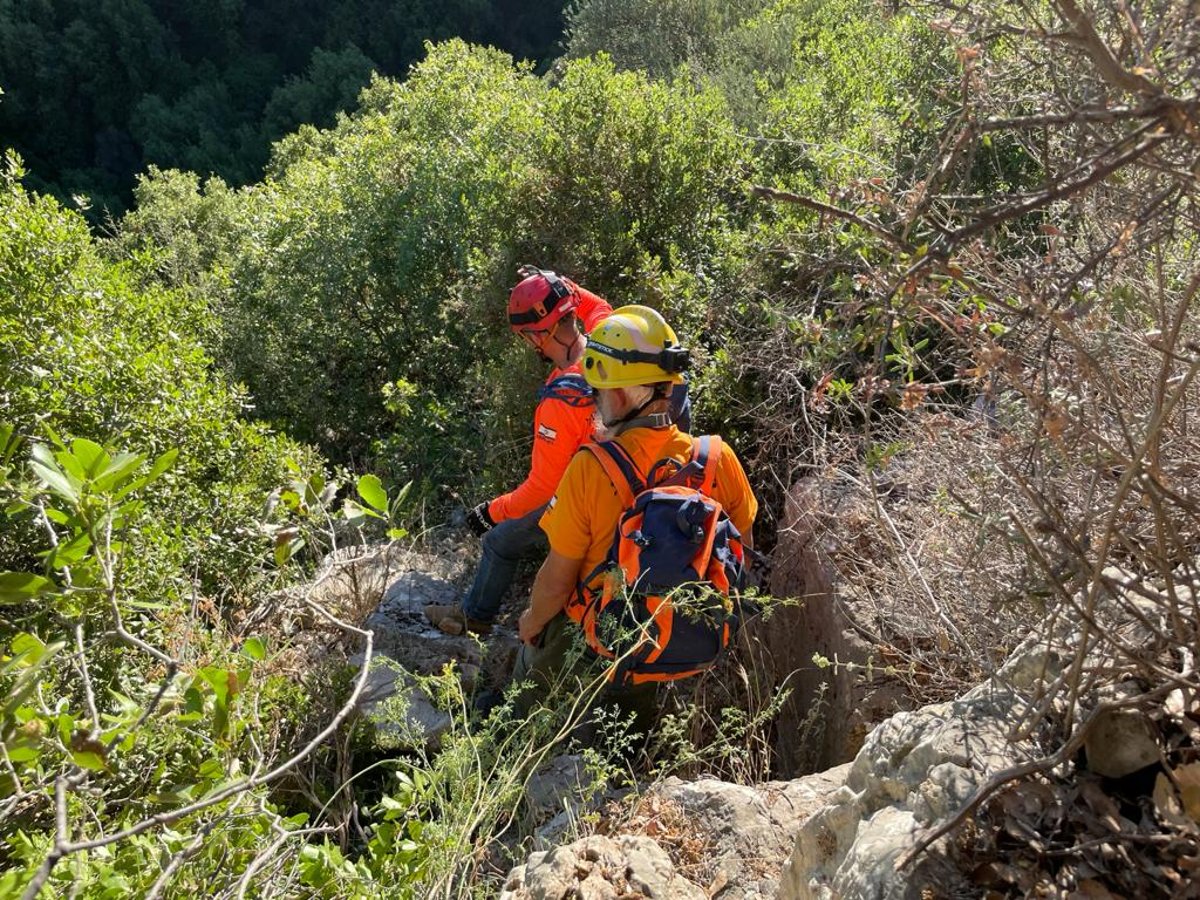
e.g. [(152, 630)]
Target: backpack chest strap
[(700, 471)]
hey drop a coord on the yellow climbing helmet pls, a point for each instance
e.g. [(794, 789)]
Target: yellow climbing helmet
[(634, 345)]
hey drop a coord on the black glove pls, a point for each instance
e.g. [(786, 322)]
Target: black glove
[(479, 520)]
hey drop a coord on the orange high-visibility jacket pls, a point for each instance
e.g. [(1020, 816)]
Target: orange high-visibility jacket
[(559, 429)]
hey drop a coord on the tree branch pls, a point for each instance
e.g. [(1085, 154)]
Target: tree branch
[(1013, 773), (1108, 66), (876, 229)]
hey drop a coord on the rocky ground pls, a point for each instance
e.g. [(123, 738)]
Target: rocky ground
[(1115, 812)]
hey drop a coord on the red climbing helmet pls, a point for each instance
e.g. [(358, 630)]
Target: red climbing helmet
[(538, 302)]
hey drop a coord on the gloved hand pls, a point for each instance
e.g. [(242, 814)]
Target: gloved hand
[(479, 520)]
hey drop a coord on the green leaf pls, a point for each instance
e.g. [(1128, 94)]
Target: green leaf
[(353, 511), (118, 470), (8, 443), (254, 649), (48, 472), (86, 759), (18, 587), (312, 490), (24, 753), (370, 488), (69, 552), (25, 643), (285, 550), (397, 533), (90, 456), (163, 463), (218, 679), (193, 701), (401, 496)]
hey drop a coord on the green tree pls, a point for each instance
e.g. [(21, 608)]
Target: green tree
[(654, 36), (92, 348), (97, 90), (378, 255), (331, 82)]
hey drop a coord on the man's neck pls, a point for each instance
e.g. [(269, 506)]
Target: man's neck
[(653, 415), (575, 353)]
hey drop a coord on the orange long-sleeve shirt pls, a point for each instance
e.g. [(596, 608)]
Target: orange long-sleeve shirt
[(559, 429)]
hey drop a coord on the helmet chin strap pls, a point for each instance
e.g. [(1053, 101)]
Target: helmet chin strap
[(635, 419), (567, 345)]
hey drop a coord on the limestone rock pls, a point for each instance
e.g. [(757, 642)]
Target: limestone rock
[(731, 839), (918, 768), (601, 868), (1121, 741), (747, 831), (401, 712), (403, 633)]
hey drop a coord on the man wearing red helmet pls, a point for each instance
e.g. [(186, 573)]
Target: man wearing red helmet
[(553, 315)]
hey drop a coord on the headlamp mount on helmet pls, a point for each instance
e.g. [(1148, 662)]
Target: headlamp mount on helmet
[(675, 359), (672, 360)]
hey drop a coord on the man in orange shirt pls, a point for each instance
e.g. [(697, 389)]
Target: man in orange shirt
[(552, 314), (633, 360)]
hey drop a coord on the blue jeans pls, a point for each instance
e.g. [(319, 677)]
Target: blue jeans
[(503, 548)]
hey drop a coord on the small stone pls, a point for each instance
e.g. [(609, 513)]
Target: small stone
[(1119, 743)]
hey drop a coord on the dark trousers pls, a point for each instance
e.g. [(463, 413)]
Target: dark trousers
[(561, 666), (504, 546)]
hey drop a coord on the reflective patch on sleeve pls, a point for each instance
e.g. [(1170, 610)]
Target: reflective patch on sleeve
[(553, 500), (548, 434)]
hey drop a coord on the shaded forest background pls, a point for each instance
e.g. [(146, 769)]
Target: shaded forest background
[(97, 91)]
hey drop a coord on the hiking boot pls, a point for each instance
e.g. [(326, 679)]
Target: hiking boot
[(449, 618)]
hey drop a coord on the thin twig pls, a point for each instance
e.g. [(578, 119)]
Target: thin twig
[(875, 228), (1023, 770), (64, 847)]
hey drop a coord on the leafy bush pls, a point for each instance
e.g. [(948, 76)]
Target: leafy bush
[(91, 348), (361, 289), (654, 36)]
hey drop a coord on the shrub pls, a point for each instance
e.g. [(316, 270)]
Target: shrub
[(90, 348)]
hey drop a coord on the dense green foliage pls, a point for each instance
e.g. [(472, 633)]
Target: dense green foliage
[(87, 350), (170, 387), (361, 286), (96, 91)]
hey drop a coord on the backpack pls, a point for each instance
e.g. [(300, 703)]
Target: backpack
[(663, 603)]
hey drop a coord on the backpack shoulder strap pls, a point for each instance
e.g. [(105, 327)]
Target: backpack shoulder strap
[(620, 468), (700, 471), (570, 388), (706, 454)]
